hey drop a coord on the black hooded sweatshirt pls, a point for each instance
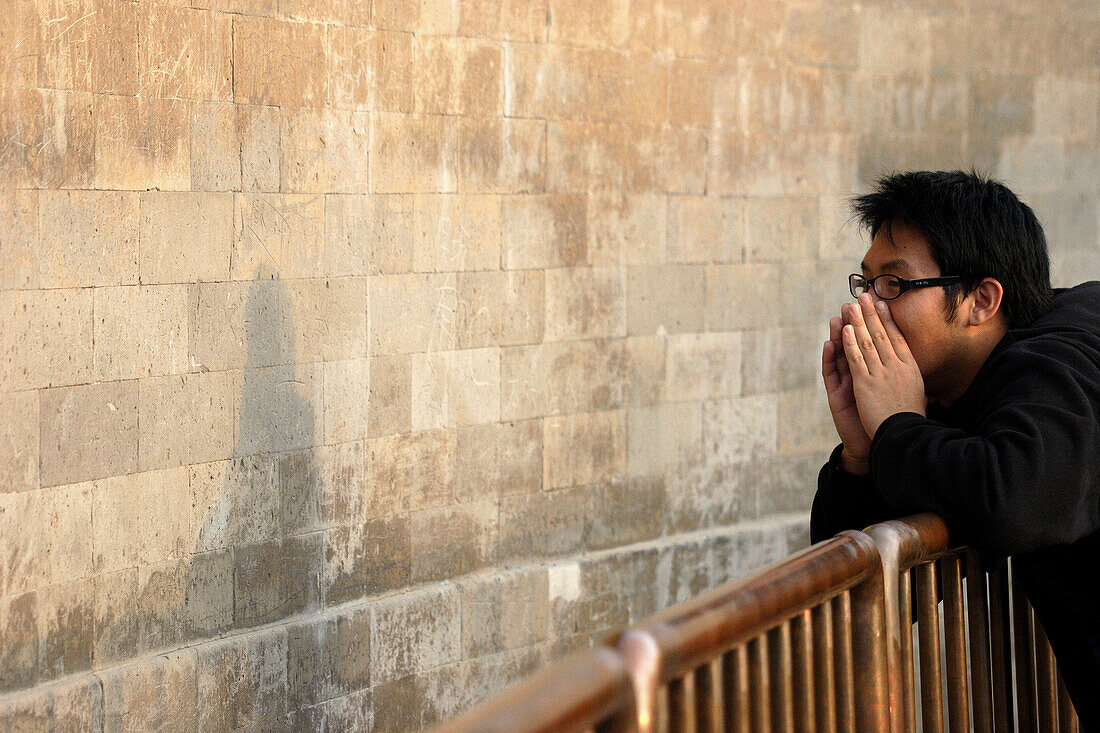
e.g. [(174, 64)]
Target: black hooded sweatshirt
[(1013, 467)]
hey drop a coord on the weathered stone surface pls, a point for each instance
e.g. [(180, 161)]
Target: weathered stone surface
[(737, 429), (185, 419), (19, 442), (139, 519), (544, 231), (411, 471), (242, 682), (585, 303), (499, 308), (278, 62), (323, 151), (413, 153), (452, 541), (581, 449), (185, 237), (563, 377), (412, 313), (669, 299), (142, 143), (703, 366), (346, 400), (415, 632), (455, 388), (139, 331), (92, 239), (542, 524), (280, 235), (367, 558), (498, 459), (89, 432)]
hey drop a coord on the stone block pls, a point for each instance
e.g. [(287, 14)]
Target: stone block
[(819, 36), (341, 12), (88, 432), (703, 366), (46, 339), (142, 143), (581, 449), (367, 558), (447, 691), (644, 359), (498, 459), (585, 303), (242, 682), (717, 496), (739, 296), (771, 163), (328, 657), (665, 299), (185, 53), (19, 442), (504, 611), (278, 409), (547, 81), (804, 422), (384, 82), (151, 694), (699, 93), (185, 419), (96, 51), (415, 632), (369, 234), (704, 229), (504, 156), (626, 229), (324, 151), (748, 549), (18, 631), (412, 313), (931, 103), (92, 239), (139, 331), (19, 244), (138, 609), (353, 713), (499, 308), (454, 233), (560, 377), (455, 388), (65, 547), (410, 472), (215, 147), (624, 512), (396, 704), (279, 234), (19, 44), (233, 502), (784, 99), (208, 599), (783, 484), (457, 76), (665, 437), (841, 236), (778, 359), (573, 23), (452, 540), (1004, 105), (277, 579), (301, 490), (185, 237), (139, 519), (258, 129), (22, 541), (707, 28), (390, 395), (329, 318), (65, 628), (278, 62), (346, 400), (542, 524), (738, 429), (413, 153), (49, 138), (627, 87), (544, 231)]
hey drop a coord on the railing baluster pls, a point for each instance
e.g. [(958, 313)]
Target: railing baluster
[(681, 705), (1000, 625), (708, 697), (1046, 681), (977, 609), (1024, 653), (1067, 716), (782, 689), (958, 706), (928, 627), (760, 681), (905, 607), (735, 690), (824, 677), (802, 653), (842, 638)]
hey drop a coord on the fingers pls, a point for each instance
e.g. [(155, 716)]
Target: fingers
[(857, 362), (828, 367), (863, 340), (897, 339)]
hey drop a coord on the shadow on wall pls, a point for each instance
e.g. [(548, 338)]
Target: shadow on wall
[(258, 547)]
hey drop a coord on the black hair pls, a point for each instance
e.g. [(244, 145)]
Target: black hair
[(976, 228)]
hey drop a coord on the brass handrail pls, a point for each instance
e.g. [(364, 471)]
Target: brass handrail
[(822, 641)]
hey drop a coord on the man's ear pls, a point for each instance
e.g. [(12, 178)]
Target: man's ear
[(985, 301)]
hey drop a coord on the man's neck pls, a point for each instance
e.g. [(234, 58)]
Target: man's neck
[(974, 356)]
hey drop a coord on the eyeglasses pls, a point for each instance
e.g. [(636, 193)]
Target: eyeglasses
[(888, 287)]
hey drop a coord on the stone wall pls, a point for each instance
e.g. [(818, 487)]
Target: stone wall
[(358, 357)]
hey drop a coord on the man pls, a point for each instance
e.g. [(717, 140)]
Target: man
[(960, 384)]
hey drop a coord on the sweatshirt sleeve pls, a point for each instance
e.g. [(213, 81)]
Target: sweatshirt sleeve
[(1026, 477), (846, 501)]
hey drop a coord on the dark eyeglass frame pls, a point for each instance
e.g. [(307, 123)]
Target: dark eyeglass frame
[(904, 285)]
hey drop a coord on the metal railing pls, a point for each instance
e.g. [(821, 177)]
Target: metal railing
[(881, 630)]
